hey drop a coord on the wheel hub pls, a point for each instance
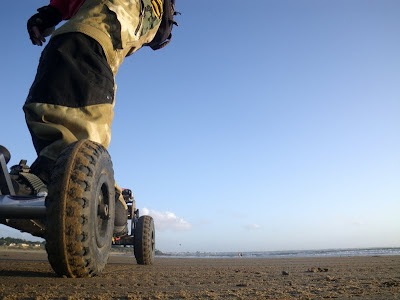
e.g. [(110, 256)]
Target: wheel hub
[(103, 211)]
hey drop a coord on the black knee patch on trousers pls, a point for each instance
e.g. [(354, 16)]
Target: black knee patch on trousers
[(73, 72)]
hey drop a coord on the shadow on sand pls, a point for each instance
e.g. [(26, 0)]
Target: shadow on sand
[(21, 273)]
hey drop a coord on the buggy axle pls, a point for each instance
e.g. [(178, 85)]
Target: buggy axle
[(22, 207)]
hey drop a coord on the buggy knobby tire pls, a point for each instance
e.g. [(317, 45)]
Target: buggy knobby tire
[(80, 210), (144, 240)]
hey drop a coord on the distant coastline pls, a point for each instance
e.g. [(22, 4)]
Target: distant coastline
[(14, 244), (386, 251)]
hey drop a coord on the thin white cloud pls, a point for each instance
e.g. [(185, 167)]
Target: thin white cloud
[(358, 223), (167, 220), (253, 227), (347, 219)]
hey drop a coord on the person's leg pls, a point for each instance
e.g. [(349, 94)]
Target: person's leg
[(71, 98)]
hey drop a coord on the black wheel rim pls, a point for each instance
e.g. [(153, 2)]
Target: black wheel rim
[(102, 225)]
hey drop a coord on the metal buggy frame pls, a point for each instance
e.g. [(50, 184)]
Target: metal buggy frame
[(93, 218)]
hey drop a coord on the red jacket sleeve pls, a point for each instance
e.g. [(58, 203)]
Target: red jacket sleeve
[(67, 8)]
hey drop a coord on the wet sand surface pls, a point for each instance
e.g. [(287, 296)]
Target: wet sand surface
[(28, 275)]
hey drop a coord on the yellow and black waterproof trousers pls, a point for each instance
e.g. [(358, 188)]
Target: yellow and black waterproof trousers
[(72, 96)]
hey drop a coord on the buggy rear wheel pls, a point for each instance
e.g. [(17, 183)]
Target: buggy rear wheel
[(144, 240), (80, 210)]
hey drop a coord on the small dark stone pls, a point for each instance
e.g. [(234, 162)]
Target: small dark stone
[(284, 273), (391, 283), (242, 284), (322, 270)]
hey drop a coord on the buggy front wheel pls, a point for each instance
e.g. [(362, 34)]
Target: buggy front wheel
[(80, 210)]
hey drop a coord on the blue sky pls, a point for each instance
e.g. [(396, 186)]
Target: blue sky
[(267, 125)]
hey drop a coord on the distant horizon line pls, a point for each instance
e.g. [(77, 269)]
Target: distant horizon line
[(295, 250)]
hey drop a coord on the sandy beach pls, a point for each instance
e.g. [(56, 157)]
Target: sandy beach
[(28, 275)]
